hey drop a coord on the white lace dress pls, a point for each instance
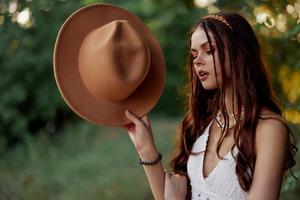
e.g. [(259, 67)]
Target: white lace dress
[(222, 183)]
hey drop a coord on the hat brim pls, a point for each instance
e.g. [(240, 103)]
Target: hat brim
[(68, 79)]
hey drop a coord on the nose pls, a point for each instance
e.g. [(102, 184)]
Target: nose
[(198, 60)]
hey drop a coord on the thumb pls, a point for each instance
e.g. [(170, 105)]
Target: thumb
[(167, 176)]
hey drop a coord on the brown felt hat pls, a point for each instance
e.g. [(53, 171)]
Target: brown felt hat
[(106, 61)]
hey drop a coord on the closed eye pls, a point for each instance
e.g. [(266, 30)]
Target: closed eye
[(194, 53), (209, 52)]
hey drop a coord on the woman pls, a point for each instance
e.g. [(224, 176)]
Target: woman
[(233, 142)]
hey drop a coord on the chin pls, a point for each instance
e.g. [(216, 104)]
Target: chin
[(209, 86)]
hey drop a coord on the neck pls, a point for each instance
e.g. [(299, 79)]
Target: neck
[(231, 107)]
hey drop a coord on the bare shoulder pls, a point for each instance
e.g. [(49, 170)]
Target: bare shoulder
[(270, 121), (271, 156), (271, 130)]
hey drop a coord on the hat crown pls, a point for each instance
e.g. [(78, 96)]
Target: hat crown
[(113, 61)]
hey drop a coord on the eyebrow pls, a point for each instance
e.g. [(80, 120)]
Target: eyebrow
[(202, 45)]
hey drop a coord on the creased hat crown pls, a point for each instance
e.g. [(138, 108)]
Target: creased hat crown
[(113, 61)]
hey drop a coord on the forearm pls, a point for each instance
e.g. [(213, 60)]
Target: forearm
[(155, 174)]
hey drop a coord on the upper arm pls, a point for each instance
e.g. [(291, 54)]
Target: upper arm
[(272, 142)]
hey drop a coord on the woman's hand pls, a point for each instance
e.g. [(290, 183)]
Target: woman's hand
[(175, 186), (140, 133)]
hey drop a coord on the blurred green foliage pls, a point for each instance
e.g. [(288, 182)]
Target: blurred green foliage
[(29, 99), (83, 162)]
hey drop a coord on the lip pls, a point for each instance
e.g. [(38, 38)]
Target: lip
[(202, 75)]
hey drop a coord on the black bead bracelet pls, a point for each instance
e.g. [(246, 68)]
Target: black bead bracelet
[(151, 162)]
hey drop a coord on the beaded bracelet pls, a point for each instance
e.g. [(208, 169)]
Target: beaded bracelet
[(151, 162)]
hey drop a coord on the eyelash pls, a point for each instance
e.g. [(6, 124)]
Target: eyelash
[(209, 52)]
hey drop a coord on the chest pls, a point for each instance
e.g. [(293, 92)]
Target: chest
[(210, 157)]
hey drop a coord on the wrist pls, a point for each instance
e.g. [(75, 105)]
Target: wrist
[(149, 154), (152, 162)]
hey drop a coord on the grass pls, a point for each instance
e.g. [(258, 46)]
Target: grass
[(84, 161)]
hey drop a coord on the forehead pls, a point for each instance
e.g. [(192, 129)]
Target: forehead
[(199, 37)]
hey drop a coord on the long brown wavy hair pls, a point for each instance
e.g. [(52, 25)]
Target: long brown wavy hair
[(250, 84)]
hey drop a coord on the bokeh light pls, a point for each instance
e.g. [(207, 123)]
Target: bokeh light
[(290, 80), (292, 116), (281, 21), (2, 19), (204, 3), (24, 18), (290, 9), (264, 16), (13, 5)]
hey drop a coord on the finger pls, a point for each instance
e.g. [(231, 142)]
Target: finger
[(132, 135), (132, 117), (165, 173), (168, 175), (183, 179), (171, 174), (181, 173), (180, 177), (146, 120), (130, 127), (167, 178), (126, 126)]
